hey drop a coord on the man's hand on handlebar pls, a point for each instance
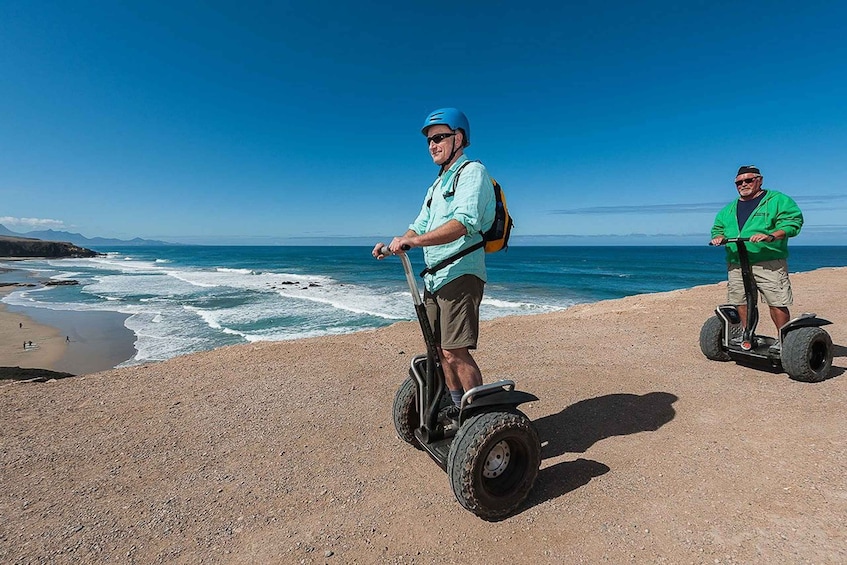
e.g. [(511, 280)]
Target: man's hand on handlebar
[(399, 244), (380, 251), (755, 238)]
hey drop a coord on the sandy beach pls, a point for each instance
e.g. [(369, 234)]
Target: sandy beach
[(25, 343), (285, 452), (78, 343)]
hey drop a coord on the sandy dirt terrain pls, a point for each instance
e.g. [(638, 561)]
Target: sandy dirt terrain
[(286, 452)]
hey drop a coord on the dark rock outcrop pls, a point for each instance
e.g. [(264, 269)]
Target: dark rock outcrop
[(34, 375), (25, 247)]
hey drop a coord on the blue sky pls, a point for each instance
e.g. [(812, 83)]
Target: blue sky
[(287, 122)]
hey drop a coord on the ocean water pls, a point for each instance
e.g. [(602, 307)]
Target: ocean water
[(184, 299)]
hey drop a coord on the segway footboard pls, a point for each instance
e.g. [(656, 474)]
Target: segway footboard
[(437, 449)]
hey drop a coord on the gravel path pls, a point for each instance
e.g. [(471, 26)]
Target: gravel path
[(286, 453)]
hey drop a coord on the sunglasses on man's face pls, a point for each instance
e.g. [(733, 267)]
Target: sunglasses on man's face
[(745, 181), (438, 137)]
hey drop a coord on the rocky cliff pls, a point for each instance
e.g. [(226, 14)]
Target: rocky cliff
[(28, 247)]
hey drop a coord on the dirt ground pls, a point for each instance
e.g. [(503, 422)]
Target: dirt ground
[(286, 452)]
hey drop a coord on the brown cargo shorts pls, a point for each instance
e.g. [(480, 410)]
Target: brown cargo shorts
[(453, 312)]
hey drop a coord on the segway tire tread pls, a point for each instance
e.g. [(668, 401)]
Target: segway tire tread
[(807, 354), (489, 490), (405, 410), (711, 340)]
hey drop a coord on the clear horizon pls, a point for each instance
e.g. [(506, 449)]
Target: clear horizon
[(229, 122), (639, 240)]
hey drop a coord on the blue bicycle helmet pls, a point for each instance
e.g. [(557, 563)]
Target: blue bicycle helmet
[(452, 118)]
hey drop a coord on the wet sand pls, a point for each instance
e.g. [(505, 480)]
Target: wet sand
[(18, 330), (73, 342)]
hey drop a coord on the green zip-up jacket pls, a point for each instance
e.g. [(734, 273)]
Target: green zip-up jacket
[(776, 211)]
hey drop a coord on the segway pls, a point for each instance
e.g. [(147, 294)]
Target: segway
[(489, 449), (802, 349)]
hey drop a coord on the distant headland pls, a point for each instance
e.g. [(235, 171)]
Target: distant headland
[(26, 247)]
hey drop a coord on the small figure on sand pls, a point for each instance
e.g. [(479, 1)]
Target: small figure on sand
[(67, 339), (21, 325)]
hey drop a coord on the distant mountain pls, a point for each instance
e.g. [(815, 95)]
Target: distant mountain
[(78, 239)]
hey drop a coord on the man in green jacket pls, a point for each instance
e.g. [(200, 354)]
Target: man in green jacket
[(768, 218)]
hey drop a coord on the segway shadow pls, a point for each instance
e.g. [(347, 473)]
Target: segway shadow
[(802, 349), (489, 449)]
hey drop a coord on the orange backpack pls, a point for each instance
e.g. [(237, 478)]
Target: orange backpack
[(494, 239)]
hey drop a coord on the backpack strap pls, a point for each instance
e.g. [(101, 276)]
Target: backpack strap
[(454, 257), (455, 182), (459, 254)]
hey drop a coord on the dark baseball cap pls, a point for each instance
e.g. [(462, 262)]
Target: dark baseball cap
[(748, 169)]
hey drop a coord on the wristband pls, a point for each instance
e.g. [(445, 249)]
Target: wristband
[(771, 237)]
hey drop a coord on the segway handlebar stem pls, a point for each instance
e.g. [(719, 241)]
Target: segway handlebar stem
[(751, 291), (410, 276)]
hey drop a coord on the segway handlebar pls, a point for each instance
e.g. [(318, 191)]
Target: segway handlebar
[(731, 240), (407, 268)]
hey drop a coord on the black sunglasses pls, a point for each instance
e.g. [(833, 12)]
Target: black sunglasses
[(438, 137), (745, 181)]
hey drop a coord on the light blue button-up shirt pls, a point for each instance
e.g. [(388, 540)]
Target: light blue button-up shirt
[(472, 205)]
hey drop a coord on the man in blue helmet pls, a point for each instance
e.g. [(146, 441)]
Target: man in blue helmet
[(452, 218)]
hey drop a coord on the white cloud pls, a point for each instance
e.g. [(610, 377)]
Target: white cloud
[(31, 223)]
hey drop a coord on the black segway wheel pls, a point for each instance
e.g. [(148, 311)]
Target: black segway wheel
[(807, 354), (493, 463), (711, 340), (406, 417)]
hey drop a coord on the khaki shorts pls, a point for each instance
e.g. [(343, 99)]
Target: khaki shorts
[(772, 279), (453, 312)]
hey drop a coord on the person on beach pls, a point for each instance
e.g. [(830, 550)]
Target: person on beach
[(768, 218), (452, 218)]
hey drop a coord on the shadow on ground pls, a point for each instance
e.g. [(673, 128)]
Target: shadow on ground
[(836, 371), (838, 351), (581, 425), (562, 478), (26, 374)]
